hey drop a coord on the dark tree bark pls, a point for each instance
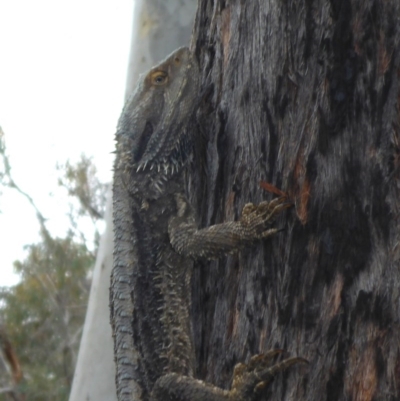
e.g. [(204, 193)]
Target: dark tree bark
[(302, 94)]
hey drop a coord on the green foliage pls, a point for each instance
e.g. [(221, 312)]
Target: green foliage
[(44, 314)]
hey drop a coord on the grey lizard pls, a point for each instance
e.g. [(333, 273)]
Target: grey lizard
[(156, 240)]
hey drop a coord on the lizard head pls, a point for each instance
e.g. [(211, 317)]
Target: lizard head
[(152, 131)]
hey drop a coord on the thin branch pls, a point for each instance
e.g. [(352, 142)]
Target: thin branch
[(12, 184)]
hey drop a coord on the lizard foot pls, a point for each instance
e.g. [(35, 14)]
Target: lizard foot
[(250, 378), (255, 219)]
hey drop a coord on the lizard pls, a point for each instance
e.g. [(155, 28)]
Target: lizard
[(156, 240)]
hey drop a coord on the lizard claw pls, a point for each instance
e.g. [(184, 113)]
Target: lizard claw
[(256, 218), (249, 379)]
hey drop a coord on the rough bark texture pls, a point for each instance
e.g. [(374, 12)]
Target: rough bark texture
[(303, 95)]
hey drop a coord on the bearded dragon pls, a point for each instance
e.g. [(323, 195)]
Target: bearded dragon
[(156, 239)]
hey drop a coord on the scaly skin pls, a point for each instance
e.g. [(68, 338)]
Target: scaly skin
[(156, 239)]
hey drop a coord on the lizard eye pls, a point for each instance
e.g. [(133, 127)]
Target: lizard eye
[(159, 78)]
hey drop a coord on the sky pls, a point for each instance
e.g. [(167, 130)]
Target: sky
[(62, 80)]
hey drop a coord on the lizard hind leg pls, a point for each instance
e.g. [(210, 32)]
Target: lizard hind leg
[(176, 387), (248, 379)]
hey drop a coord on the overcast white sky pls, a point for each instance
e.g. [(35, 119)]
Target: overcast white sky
[(62, 79)]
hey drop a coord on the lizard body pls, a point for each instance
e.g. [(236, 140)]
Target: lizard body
[(156, 239)]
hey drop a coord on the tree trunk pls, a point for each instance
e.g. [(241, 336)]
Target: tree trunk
[(304, 95)]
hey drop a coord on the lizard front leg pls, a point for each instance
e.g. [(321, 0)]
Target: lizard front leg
[(248, 380), (219, 239)]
